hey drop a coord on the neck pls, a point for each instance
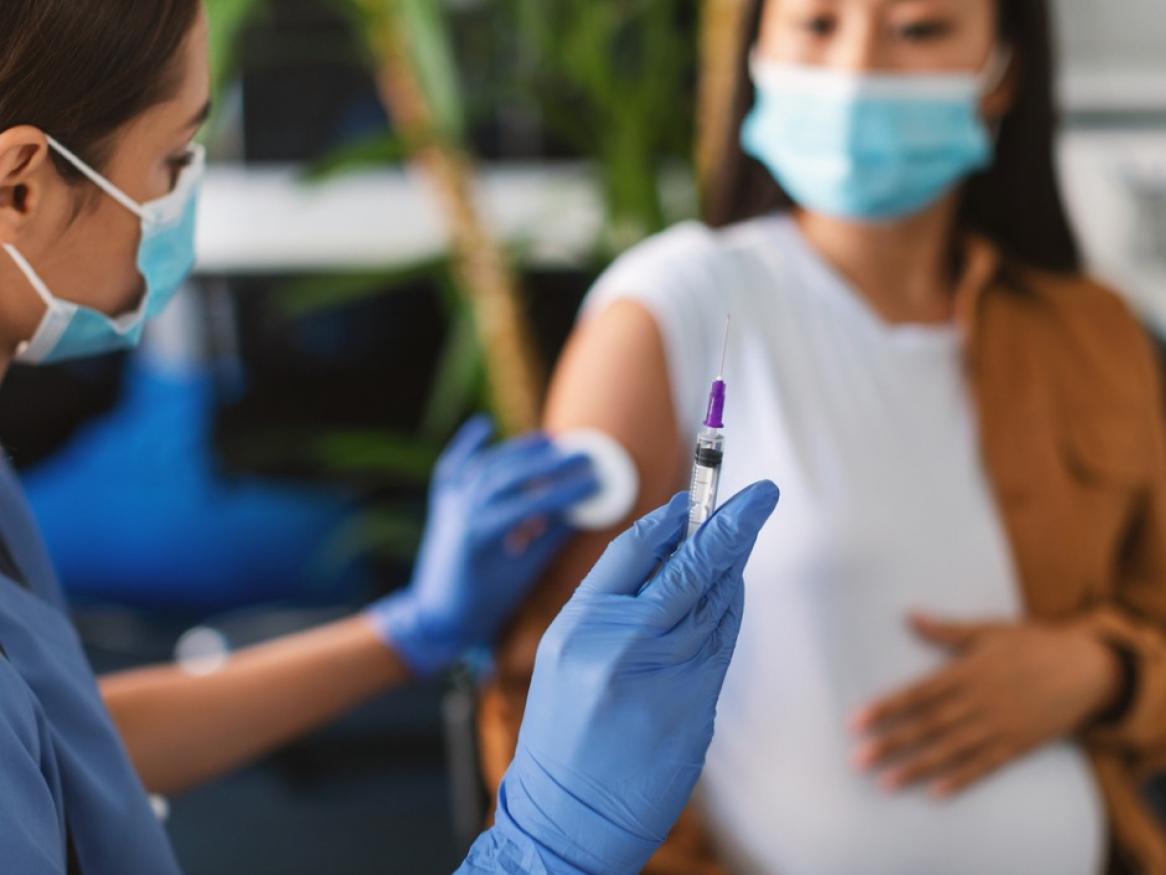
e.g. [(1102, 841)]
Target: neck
[(903, 268)]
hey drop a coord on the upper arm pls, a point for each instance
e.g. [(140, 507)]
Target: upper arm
[(613, 377), (31, 840)]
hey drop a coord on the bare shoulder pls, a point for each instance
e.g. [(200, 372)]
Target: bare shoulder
[(613, 376)]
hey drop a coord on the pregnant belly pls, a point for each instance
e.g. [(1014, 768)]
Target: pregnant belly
[(800, 814)]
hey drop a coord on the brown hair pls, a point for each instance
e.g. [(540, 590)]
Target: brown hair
[(1016, 203), (80, 70)]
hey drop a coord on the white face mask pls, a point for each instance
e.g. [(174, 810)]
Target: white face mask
[(165, 261)]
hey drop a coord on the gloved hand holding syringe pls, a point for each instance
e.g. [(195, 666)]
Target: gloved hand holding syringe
[(710, 451)]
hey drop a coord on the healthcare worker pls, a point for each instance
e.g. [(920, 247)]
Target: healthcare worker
[(99, 102)]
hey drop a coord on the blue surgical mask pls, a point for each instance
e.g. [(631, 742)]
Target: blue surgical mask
[(165, 261), (868, 147)]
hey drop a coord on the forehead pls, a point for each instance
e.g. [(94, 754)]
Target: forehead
[(875, 6), (195, 74)]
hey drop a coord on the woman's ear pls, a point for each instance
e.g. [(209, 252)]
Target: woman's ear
[(23, 153), (1002, 95)]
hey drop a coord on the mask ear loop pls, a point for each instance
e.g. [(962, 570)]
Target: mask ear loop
[(34, 279), (38, 286), (97, 179)]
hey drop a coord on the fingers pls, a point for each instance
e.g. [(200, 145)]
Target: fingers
[(733, 529), (955, 636), (974, 769), (944, 717), (724, 638), (712, 627), (530, 470), (725, 541), (470, 439), (710, 609), (543, 547), (574, 484), (944, 755), (638, 552), (510, 455), (900, 705)]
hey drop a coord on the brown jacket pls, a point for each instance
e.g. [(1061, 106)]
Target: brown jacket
[(1074, 439)]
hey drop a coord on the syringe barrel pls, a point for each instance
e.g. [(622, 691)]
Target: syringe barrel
[(706, 478)]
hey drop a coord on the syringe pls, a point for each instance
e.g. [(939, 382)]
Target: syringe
[(710, 452)]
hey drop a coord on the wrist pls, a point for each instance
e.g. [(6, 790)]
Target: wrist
[(567, 830), (506, 848), (1103, 676), (1122, 690), (403, 627)]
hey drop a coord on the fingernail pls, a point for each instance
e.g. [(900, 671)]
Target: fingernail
[(864, 757)]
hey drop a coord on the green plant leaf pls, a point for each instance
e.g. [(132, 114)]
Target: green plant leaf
[(427, 34), (228, 19), (306, 295), (460, 377), (377, 453), (379, 150)]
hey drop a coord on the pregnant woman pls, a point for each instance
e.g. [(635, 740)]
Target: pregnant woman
[(953, 659)]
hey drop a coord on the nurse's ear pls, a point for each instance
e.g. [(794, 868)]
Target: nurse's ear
[(24, 153)]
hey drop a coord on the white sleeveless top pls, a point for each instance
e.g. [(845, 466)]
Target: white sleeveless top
[(869, 430)]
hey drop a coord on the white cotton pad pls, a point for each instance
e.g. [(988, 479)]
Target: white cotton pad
[(619, 481)]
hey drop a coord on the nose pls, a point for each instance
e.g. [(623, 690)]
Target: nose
[(856, 48)]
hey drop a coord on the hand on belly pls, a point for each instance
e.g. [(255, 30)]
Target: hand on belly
[(1009, 689)]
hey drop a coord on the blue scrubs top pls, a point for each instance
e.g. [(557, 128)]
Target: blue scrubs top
[(70, 801)]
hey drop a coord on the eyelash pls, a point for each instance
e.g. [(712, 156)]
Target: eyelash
[(819, 26), (925, 30), (182, 161)]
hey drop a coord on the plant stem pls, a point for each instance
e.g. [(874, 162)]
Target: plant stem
[(485, 275)]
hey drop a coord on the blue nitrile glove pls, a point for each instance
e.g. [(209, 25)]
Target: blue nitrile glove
[(495, 523), (624, 695)]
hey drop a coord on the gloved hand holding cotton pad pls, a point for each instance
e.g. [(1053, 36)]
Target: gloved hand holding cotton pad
[(619, 480)]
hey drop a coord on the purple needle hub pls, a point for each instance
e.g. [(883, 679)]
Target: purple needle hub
[(716, 412)]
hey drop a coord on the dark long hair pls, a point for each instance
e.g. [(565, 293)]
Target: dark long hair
[(1017, 203), (82, 69)]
